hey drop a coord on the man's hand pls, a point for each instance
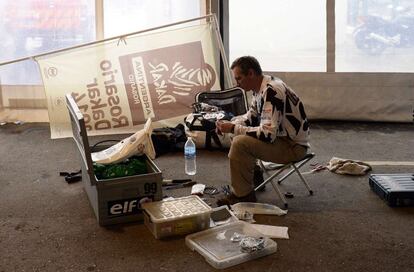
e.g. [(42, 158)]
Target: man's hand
[(224, 127)]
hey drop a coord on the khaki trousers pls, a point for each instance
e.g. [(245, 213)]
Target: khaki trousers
[(244, 152)]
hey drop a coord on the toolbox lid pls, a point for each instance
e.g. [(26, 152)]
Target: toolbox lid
[(217, 247), (179, 208), (79, 133)]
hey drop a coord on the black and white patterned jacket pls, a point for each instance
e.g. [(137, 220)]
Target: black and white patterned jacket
[(275, 111)]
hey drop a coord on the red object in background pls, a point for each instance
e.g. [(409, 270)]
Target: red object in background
[(38, 15)]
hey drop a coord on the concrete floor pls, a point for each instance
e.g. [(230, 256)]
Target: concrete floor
[(48, 225)]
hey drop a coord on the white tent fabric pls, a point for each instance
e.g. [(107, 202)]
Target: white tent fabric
[(354, 96)]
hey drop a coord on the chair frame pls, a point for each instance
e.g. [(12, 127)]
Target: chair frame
[(280, 168)]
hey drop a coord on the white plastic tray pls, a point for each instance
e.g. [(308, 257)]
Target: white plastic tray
[(219, 251)]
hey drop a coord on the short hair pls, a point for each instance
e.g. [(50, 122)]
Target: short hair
[(247, 62)]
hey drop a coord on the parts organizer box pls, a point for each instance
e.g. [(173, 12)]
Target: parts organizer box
[(178, 216), (395, 189), (114, 200)]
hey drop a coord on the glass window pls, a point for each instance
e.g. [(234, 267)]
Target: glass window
[(30, 27), (283, 35), (126, 16), (374, 36)]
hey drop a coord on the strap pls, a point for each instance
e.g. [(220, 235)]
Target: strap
[(216, 139), (72, 177), (191, 125)]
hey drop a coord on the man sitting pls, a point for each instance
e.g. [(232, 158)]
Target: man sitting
[(275, 129)]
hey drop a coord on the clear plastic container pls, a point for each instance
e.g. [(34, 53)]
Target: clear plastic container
[(178, 216), (216, 246)]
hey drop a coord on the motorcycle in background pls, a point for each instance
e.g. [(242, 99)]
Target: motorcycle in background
[(375, 34)]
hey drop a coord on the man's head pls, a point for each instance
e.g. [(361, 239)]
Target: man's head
[(247, 73)]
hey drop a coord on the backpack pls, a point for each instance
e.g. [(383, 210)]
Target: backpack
[(168, 139)]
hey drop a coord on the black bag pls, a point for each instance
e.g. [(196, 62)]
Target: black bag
[(232, 100), (168, 139), (210, 107)]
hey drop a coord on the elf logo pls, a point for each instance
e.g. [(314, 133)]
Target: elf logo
[(127, 206)]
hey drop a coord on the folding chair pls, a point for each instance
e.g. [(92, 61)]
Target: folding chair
[(295, 166)]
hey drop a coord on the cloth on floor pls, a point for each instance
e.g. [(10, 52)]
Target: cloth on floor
[(349, 167), (272, 231)]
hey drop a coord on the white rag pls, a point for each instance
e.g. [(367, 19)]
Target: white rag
[(349, 167)]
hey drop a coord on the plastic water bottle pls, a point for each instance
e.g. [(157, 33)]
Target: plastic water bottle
[(190, 157)]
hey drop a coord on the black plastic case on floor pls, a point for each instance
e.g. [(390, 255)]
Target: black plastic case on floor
[(395, 189)]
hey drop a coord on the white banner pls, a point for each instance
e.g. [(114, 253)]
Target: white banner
[(118, 85)]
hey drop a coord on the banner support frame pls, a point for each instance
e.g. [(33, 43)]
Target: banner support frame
[(33, 57)]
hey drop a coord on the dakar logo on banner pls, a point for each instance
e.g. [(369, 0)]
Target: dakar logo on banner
[(162, 83)]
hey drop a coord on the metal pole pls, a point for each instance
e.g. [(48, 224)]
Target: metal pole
[(105, 40), (222, 51)]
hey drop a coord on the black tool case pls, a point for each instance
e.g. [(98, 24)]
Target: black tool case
[(395, 189), (231, 100)]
